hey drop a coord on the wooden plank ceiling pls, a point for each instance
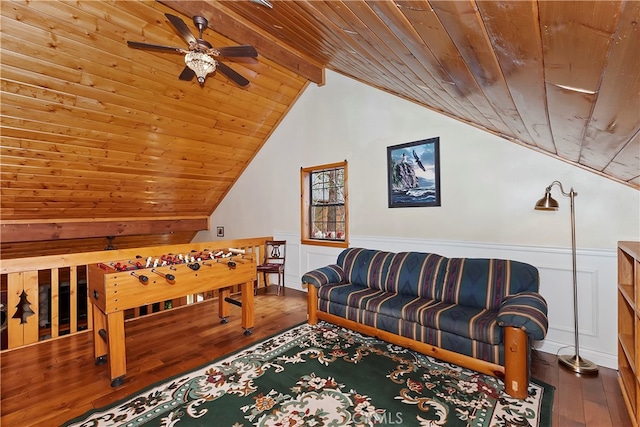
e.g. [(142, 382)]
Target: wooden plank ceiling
[(100, 139)]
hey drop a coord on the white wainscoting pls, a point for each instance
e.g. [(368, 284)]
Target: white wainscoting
[(597, 278)]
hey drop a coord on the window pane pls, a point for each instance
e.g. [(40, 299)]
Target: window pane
[(323, 205), (327, 213)]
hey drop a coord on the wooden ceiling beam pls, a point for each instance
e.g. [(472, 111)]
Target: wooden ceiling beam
[(229, 24), (41, 230)]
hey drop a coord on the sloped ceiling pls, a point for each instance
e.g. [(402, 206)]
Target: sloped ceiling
[(99, 139), (102, 140), (561, 77)]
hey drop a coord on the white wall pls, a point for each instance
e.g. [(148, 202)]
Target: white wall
[(488, 185)]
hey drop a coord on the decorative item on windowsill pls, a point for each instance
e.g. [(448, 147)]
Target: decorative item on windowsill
[(575, 363)]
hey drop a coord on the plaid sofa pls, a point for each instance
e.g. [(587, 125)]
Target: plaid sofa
[(458, 304)]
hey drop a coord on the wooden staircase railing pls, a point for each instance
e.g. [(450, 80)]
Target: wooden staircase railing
[(31, 287)]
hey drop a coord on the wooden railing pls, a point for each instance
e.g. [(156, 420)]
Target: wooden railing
[(46, 297)]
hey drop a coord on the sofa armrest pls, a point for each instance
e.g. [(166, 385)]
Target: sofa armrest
[(526, 310), (321, 276)]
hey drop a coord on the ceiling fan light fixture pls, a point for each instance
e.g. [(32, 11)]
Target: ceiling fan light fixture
[(201, 64)]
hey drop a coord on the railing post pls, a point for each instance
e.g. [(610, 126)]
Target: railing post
[(73, 300), (55, 298), (22, 287)]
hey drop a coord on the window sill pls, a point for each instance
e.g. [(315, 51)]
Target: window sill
[(328, 243)]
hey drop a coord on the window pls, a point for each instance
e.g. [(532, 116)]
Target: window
[(324, 209)]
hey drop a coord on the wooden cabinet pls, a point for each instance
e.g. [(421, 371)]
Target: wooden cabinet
[(629, 326)]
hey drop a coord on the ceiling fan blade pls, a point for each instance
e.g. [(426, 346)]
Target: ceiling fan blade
[(238, 51), (182, 28), (187, 74), (140, 45), (233, 75)]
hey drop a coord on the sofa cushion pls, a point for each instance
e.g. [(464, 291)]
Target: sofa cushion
[(348, 294), (484, 283), (416, 273), (407, 307), (409, 273), (365, 267), (478, 324)]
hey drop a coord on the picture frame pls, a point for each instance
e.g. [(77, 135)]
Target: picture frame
[(220, 231), (413, 171)]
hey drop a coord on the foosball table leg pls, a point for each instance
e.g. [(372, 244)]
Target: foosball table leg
[(247, 307), (115, 341), (224, 311), (100, 346), (108, 343), (117, 382)]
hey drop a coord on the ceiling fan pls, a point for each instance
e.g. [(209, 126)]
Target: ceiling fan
[(200, 56)]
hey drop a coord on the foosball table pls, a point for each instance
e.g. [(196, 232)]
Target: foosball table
[(118, 286)]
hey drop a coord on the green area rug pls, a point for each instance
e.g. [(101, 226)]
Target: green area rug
[(325, 375)]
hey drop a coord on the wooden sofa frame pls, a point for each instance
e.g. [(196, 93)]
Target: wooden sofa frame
[(514, 373)]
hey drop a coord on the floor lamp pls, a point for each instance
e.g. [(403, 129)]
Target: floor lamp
[(547, 203)]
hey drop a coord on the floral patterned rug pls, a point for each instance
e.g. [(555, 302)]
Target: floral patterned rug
[(325, 375)]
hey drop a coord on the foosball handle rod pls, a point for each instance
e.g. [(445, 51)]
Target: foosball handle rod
[(142, 278), (230, 264), (170, 277), (137, 264)]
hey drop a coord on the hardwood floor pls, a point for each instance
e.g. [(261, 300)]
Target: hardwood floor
[(50, 383)]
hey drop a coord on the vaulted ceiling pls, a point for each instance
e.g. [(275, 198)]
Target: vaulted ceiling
[(99, 139)]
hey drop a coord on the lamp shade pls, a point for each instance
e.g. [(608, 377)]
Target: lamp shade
[(547, 203)]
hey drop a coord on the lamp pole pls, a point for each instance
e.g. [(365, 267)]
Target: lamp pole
[(575, 362)]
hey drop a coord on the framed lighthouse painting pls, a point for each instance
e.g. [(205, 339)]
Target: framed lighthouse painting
[(413, 172)]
